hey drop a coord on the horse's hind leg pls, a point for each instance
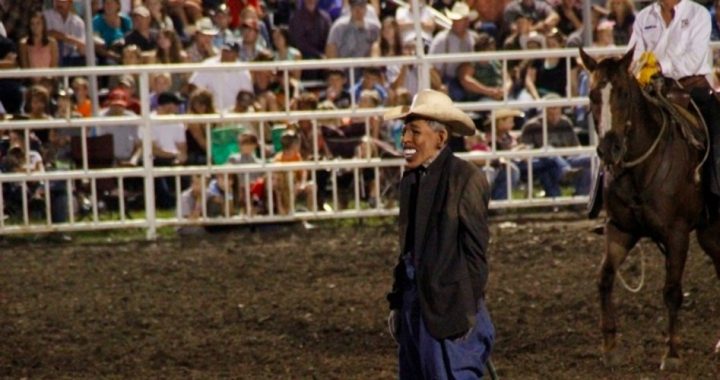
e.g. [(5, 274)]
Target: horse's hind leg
[(617, 246), (709, 239), (677, 247)]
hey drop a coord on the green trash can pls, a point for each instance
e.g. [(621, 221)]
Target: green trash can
[(276, 134), (223, 141)]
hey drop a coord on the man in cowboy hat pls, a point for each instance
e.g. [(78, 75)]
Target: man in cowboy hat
[(438, 314), (458, 39)]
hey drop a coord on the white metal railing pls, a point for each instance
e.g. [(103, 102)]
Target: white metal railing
[(148, 173)]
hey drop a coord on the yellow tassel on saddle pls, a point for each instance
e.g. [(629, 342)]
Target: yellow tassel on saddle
[(646, 67)]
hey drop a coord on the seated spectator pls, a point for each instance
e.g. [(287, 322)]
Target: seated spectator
[(141, 35), (125, 137), (220, 200), (191, 206), (255, 185), (542, 16), (604, 34), (371, 79), (524, 74), (405, 20), (391, 40), (365, 126), (309, 102), (38, 109), (224, 138), (201, 103), (300, 184), (715, 17), (269, 87), (65, 106), (169, 147), (251, 43), (38, 49), (130, 55), (159, 83), (236, 8), (560, 134), (354, 36), (336, 90), (523, 34), (81, 91), (159, 18), (224, 85), (11, 94), (170, 48), (577, 38), (551, 73), (406, 76), (283, 51), (622, 13), (458, 39), (127, 84), (569, 16), (112, 26), (252, 15), (221, 20), (481, 80), (549, 171), (202, 47), (68, 29), (309, 28)]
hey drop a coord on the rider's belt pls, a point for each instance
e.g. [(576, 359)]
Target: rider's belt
[(694, 81)]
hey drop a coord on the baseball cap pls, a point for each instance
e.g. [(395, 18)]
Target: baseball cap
[(168, 97), (231, 45)]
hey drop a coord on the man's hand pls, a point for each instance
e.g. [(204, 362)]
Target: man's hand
[(393, 322)]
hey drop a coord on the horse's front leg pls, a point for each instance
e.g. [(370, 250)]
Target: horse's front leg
[(677, 248), (617, 246)]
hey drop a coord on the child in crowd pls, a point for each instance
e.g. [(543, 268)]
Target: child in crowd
[(191, 206), (290, 153), (254, 186), (220, 196)]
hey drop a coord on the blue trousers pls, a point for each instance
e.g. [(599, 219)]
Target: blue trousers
[(422, 357)]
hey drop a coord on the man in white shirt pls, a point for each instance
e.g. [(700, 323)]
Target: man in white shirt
[(226, 84), (678, 33), (169, 145), (69, 30), (458, 39)]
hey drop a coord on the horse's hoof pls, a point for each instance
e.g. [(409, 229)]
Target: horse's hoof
[(612, 358), (670, 364)]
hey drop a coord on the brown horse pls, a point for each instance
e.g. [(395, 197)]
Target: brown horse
[(651, 190)]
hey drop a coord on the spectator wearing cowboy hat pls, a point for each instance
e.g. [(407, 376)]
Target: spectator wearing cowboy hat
[(225, 84), (438, 314), (202, 47), (458, 39), (354, 36)]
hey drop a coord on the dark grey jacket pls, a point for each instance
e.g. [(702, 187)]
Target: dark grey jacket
[(451, 239)]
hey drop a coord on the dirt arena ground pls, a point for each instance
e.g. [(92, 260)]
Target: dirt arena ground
[(287, 303)]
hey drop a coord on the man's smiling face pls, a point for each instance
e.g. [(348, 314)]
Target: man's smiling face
[(421, 142)]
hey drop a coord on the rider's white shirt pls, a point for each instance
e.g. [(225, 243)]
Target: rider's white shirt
[(682, 47)]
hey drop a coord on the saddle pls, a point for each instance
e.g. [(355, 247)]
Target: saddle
[(674, 98)]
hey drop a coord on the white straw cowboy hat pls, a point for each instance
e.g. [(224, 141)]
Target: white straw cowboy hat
[(460, 11), (435, 105)]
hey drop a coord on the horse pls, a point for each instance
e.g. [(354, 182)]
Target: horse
[(652, 190)]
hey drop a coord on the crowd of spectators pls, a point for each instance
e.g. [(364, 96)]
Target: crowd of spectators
[(44, 34)]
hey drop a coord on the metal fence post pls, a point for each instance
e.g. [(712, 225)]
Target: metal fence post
[(147, 156)]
